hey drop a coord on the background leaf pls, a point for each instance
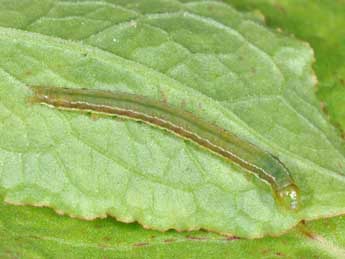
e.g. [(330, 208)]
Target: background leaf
[(306, 246), (40, 233)]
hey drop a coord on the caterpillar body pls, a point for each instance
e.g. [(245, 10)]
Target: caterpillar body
[(182, 123)]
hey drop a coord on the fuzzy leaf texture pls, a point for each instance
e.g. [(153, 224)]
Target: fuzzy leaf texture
[(223, 65)]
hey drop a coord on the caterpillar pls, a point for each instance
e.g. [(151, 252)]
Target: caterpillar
[(182, 123)]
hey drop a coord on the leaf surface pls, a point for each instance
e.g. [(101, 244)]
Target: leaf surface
[(40, 233), (220, 64)]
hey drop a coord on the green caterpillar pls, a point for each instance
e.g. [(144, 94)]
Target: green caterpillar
[(182, 123)]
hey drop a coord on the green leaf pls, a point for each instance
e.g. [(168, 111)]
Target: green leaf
[(220, 64), (18, 238), (40, 233), (322, 29)]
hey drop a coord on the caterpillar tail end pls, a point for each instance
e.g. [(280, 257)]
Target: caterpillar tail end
[(289, 197)]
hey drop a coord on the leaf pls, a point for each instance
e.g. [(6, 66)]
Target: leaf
[(54, 236), (325, 38), (21, 228), (218, 63)]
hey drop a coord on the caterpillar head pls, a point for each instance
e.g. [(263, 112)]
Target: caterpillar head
[(289, 197)]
